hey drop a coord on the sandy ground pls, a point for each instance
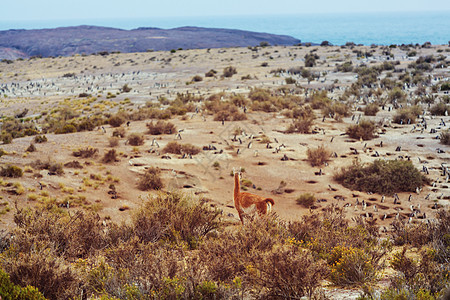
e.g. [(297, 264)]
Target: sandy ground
[(40, 85)]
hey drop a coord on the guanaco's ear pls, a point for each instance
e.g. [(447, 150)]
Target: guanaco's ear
[(234, 171)]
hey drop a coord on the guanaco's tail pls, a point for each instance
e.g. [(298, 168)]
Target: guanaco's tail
[(270, 200)]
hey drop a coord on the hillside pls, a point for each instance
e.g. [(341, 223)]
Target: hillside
[(67, 41)]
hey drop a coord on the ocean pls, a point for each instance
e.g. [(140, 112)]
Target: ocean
[(338, 29)]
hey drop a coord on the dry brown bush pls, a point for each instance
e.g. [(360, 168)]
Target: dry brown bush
[(151, 180), (136, 139), (176, 148), (161, 127), (110, 156), (117, 120), (85, 153), (287, 273), (364, 130), (319, 156), (301, 125), (113, 141), (119, 132)]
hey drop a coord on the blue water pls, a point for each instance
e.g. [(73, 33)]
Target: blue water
[(361, 28)]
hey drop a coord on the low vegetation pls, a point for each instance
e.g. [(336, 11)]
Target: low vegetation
[(151, 180), (365, 130), (383, 177), (177, 148), (318, 156), (161, 127)]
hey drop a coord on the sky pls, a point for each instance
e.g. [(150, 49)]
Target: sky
[(33, 10)]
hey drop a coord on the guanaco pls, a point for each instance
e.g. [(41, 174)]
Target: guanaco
[(248, 203)]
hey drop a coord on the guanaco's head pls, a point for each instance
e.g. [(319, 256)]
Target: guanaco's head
[(237, 173)]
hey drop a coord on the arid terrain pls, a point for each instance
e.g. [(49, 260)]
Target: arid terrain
[(97, 87)]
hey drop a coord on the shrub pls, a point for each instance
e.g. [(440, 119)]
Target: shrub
[(383, 177), (113, 141), (6, 138), (319, 156), (9, 290), (31, 148), (56, 169), (67, 128), (406, 115), (290, 80), (161, 127), (371, 109), (151, 180), (176, 148), (40, 139), (345, 67), (197, 78), (306, 200), (364, 130), (110, 156), (229, 71), (288, 273), (179, 217), (211, 73), (85, 153), (301, 125), (136, 139), (445, 137), (440, 109), (42, 269), (119, 132), (126, 88), (11, 171), (351, 266), (116, 120)]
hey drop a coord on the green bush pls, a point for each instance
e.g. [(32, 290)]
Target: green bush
[(351, 266), (383, 177), (67, 128), (306, 200), (11, 291), (364, 130)]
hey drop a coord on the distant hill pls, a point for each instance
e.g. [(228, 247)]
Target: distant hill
[(66, 41)]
